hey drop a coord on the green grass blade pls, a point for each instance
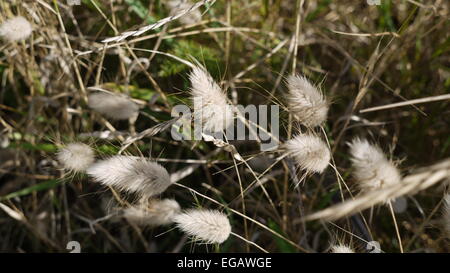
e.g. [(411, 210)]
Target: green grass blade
[(38, 187)]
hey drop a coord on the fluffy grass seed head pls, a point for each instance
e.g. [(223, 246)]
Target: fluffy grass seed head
[(210, 102), (76, 157), (176, 6), (113, 106), (372, 170), (310, 152), (208, 226), (306, 102), (16, 29), (131, 175), (341, 249), (157, 213)]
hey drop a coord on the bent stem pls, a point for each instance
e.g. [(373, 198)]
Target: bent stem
[(249, 242), (396, 226)]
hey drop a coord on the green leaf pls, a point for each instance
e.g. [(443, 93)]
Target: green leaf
[(38, 187), (108, 149), (386, 21), (189, 50), (327, 199), (321, 7), (443, 48), (283, 246), (45, 147), (90, 5), (142, 93), (140, 10)]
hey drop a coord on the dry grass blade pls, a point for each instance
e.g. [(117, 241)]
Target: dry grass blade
[(366, 34), (411, 184), (148, 133), (406, 103), (158, 24), (12, 213)]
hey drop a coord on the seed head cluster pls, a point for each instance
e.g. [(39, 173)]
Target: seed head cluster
[(371, 169), (156, 213), (207, 226), (131, 174), (305, 102), (113, 106), (341, 249), (310, 152), (210, 102), (76, 157), (16, 29)]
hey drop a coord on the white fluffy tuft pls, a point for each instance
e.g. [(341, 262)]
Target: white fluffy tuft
[(209, 226), (310, 152), (132, 175), (113, 106), (16, 29), (372, 170), (176, 6), (157, 213), (210, 102), (306, 102), (341, 249), (76, 157)]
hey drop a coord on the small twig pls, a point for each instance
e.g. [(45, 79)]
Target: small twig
[(406, 103)]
